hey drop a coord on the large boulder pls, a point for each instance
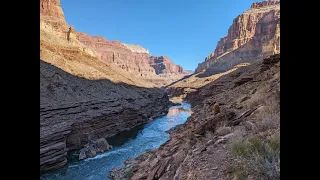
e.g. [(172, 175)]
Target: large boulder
[(93, 148)]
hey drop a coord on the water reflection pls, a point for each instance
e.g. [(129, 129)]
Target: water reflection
[(176, 110)]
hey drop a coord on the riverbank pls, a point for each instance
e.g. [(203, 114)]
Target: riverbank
[(126, 146), (215, 144)]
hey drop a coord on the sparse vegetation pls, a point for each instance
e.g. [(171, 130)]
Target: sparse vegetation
[(257, 157)]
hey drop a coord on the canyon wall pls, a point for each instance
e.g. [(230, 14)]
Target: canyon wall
[(85, 93), (253, 35), (132, 58), (75, 110)]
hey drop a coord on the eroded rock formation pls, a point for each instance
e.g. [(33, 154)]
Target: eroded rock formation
[(84, 100), (253, 35), (163, 65), (132, 58)]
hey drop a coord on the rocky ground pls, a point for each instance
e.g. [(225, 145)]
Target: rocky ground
[(238, 140)]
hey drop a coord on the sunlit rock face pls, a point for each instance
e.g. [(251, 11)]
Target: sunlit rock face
[(253, 35)]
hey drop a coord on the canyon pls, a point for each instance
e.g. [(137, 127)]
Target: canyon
[(92, 89), (86, 97)]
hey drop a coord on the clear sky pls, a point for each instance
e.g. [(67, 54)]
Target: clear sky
[(184, 30)]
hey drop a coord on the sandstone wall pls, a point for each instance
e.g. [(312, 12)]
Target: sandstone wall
[(253, 35)]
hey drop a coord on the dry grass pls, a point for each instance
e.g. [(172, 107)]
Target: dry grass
[(257, 157), (271, 122), (258, 151)]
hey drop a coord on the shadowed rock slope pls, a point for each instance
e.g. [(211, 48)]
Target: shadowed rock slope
[(74, 111)]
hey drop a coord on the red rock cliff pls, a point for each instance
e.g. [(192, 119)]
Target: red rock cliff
[(163, 65), (252, 35), (51, 13), (142, 64), (128, 57)]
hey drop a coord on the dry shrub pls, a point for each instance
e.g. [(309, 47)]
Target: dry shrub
[(270, 122), (257, 157), (239, 134)]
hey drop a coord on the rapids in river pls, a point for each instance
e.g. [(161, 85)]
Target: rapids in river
[(126, 145)]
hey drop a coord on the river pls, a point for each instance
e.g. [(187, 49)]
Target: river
[(126, 145)]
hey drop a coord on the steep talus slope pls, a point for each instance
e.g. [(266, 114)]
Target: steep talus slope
[(82, 98), (253, 35), (215, 145)]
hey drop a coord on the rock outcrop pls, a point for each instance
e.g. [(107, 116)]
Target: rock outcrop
[(163, 65), (51, 13), (203, 148), (253, 35), (136, 48), (93, 148)]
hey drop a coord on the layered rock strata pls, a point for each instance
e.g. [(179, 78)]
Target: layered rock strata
[(253, 35)]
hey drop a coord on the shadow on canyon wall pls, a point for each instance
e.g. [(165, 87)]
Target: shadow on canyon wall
[(76, 110)]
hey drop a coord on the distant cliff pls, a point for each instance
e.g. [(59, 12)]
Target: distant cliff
[(253, 35), (131, 58)]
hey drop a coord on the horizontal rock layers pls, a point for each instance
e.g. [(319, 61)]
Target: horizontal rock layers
[(132, 58), (75, 110), (253, 35)]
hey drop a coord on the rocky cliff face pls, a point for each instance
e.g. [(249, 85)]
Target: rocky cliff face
[(136, 48), (51, 13), (253, 35), (132, 58), (163, 65), (114, 52), (84, 100)]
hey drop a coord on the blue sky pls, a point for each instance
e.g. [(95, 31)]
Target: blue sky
[(184, 30)]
